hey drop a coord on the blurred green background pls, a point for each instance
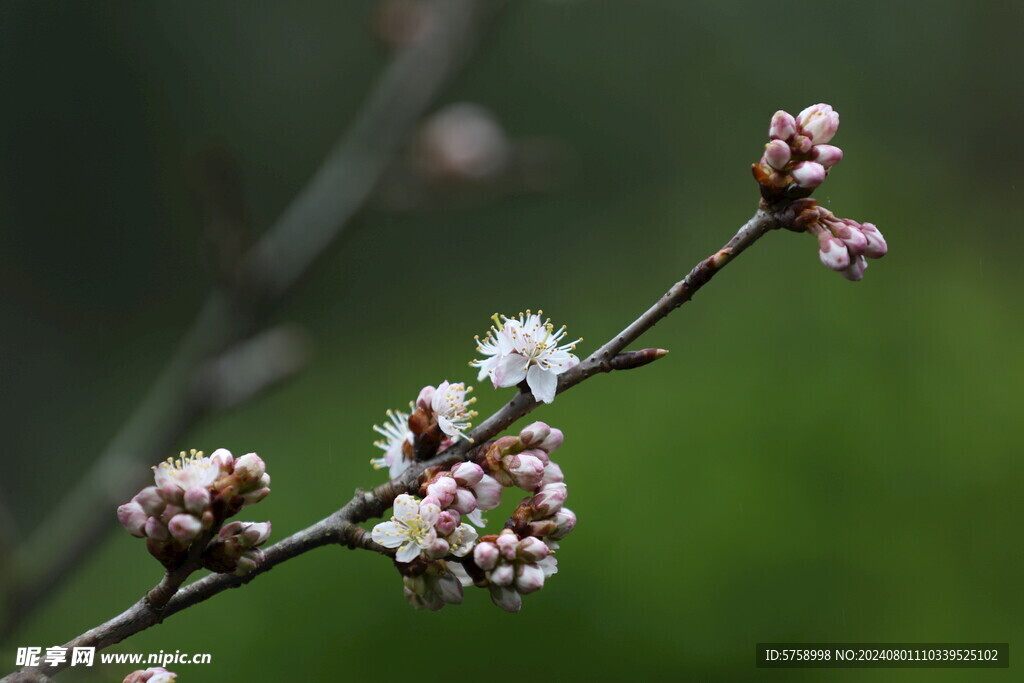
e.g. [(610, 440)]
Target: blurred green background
[(817, 460)]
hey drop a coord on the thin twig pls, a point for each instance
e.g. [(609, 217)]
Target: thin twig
[(339, 528), (301, 235)]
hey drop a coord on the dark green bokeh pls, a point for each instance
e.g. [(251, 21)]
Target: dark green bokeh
[(815, 461)]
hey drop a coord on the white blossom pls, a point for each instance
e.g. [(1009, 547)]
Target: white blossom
[(451, 408), (411, 529), (462, 540), (192, 470), (396, 435), (527, 347)]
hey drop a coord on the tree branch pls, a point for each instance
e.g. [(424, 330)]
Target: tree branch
[(314, 220), (340, 528)]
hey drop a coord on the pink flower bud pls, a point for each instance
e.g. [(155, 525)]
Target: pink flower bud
[(855, 271), (783, 126), (539, 454), (197, 500), (541, 527), (506, 598), (486, 556), (801, 144), (849, 232), (507, 543), (250, 468), (249, 560), (151, 501), (502, 575), (467, 474), (256, 533), (253, 497), (488, 493), (526, 470), (827, 155), (532, 549), (447, 522), (185, 527), (876, 243), (222, 460), (426, 398), (443, 489), (529, 578), (552, 474), (133, 518), (449, 589), (777, 154), (154, 674), (464, 502), (818, 122), (549, 500), (833, 252), (809, 174), (533, 434), (565, 521), (552, 441), (157, 530), (230, 529)]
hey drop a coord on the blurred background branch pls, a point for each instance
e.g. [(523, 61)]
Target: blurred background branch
[(200, 377)]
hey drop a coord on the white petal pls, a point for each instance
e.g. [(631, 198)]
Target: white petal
[(485, 368), (430, 513), (504, 337), (549, 564), (408, 552), (406, 507), (542, 383), (389, 534), (459, 572), (477, 517), (510, 371), (447, 426)]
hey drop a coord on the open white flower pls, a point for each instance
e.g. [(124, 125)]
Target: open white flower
[(527, 348), (411, 529), (451, 408), (396, 435), (192, 470), (462, 540)]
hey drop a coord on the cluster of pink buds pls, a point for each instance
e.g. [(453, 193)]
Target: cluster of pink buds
[(236, 548), (795, 162), (463, 490), (433, 544), (525, 460), (191, 499), (797, 159), (154, 674), (510, 567), (844, 245)]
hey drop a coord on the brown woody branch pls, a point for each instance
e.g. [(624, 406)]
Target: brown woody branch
[(340, 528)]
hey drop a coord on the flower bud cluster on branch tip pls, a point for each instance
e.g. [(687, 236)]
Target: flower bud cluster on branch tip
[(844, 245), (797, 158), (191, 499), (525, 348), (433, 543), (155, 674)]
